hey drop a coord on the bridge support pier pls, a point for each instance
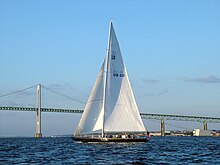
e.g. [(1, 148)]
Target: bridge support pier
[(162, 128), (38, 127), (205, 127)]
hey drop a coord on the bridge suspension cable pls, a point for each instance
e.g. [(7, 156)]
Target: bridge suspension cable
[(18, 91), (60, 94), (177, 126), (172, 125)]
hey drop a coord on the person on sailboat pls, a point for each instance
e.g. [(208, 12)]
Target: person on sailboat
[(148, 135)]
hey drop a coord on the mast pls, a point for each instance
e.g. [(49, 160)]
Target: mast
[(107, 70)]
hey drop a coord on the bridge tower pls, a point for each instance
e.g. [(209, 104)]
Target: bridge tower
[(162, 127), (205, 127), (38, 127)]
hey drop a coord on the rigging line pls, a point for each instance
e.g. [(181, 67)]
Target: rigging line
[(8, 94), (60, 94)]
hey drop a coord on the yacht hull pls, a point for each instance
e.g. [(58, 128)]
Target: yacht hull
[(84, 139)]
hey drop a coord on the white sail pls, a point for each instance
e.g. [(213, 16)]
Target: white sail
[(111, 106), (121, 111), (92, 117)]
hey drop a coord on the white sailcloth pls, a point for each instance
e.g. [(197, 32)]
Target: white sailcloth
[(111, 105), (91, 119), (121, 111)]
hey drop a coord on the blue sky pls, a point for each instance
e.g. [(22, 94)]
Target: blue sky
[(171, 50)]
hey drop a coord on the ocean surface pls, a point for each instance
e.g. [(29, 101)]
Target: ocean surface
[(159, 150)]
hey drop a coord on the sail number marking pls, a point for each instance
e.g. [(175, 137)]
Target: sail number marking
[(113, 55), (115, 74)]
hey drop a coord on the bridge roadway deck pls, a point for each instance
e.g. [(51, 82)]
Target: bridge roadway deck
[(143, 115)]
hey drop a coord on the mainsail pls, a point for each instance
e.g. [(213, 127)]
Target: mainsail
[(111, 106)]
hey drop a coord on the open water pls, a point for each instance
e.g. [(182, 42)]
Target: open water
[(159, 150)]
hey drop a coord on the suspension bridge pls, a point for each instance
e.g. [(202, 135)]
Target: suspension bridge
[(39, 109)]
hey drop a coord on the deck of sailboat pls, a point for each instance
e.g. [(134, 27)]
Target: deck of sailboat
[(87, 139)]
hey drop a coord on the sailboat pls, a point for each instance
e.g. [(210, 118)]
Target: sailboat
[(111, 113)]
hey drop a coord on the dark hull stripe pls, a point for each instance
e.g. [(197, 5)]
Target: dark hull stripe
[(82, 139)]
